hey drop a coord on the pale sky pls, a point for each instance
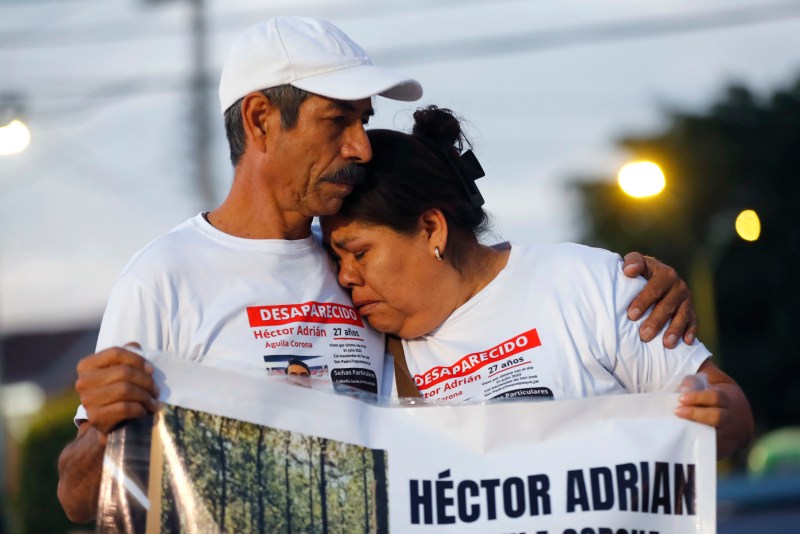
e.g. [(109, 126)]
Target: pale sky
[(108, 166)]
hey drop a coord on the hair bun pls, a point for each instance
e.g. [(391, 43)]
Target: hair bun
[(439, 126)]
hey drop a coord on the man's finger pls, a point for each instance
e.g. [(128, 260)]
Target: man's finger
[(102, 378), (691, 332), (683, 320), (647, 297), (113, 356), (116, 392), (675, 316), (663, 284), (634, 265), (106, 418), (663, 313), (100, 403), (667, 309)]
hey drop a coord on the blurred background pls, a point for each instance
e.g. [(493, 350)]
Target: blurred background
[(111, 134)]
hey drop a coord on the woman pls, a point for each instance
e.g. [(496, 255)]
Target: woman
[(481, 322)]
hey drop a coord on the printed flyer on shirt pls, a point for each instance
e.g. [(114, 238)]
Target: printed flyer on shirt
[(233, 451), (505, 371), (317, 342)]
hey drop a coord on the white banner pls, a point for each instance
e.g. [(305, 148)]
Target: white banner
[(310, 461)]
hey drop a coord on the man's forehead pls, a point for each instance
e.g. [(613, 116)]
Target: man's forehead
[(360, 107)]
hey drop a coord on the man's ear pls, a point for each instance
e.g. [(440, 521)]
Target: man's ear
[(433, 223), (257, 118)]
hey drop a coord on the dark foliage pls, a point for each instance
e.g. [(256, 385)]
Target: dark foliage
[(742, 153)]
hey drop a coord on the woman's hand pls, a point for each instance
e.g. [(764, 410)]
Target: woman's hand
[(722, 405)]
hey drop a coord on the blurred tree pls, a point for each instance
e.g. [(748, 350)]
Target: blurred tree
[(743, 152), (37, 503)]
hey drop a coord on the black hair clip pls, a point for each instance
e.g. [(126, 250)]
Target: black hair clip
[(468, 169)]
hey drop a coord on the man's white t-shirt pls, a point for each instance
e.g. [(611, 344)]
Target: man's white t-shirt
[(250, 304), (552, 324)]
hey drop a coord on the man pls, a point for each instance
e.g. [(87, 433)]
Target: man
[(295, 367), (297, 372), (245, 284)]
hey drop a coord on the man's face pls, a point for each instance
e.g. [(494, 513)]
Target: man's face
[(309, 162), (297, 374), (296, 370)]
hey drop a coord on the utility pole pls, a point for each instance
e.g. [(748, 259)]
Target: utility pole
[(200, 120), (201, 132)]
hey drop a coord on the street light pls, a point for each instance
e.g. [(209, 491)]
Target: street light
[(748, 225), (14, 138), (641, 179), (14, 133)]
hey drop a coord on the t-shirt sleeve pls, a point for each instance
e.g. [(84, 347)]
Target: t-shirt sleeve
[(133, 315), (647, 367), (80, 415)]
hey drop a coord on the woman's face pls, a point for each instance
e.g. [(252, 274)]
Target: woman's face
[(395, 280)]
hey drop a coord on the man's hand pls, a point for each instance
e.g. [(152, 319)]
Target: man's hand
[(667, 294), (114, 385)]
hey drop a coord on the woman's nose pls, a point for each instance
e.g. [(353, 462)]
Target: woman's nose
[(349, 277)]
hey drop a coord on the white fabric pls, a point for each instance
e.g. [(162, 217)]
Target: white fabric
[(310, 54), (227, 302), (590, 458), (552, 324)]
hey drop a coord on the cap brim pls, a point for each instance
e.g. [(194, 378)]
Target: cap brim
[(362, 81)]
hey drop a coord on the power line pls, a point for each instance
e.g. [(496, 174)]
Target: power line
[(594, 33), (653, 26), (493, 46), (45, 24), (29, 3), (121, 30)]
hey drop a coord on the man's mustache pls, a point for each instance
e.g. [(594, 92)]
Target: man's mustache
[(352, 174)]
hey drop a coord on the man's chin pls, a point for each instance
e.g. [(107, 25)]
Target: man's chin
[(329, 207)]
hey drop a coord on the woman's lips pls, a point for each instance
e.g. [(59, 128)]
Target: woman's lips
[(365, 306)]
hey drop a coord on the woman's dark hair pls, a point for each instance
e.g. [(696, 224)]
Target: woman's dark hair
[(411, 173)]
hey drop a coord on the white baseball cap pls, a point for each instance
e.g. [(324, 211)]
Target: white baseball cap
[(310, 54)]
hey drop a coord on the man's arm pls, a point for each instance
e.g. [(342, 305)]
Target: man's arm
[(79, 471), (667, 294), (114, 385)]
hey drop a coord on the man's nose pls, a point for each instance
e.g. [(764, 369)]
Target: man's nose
[(356, 147)]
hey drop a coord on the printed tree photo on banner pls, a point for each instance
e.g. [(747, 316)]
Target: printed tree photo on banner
[(216, 474), (250, 478), (239, 452)]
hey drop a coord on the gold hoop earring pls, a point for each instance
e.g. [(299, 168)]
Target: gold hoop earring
[(437, 253)]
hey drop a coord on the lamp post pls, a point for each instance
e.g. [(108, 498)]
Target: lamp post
[(201, 126)]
